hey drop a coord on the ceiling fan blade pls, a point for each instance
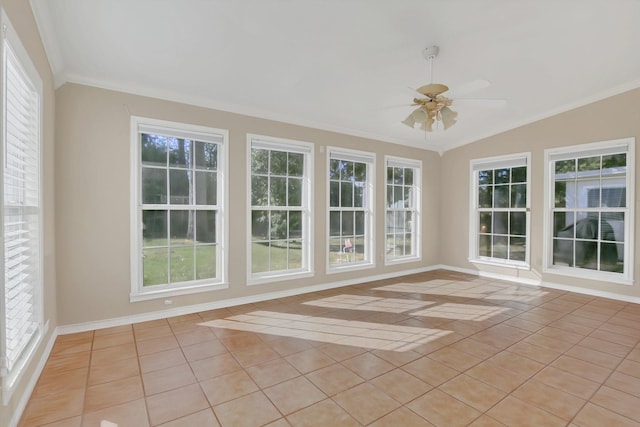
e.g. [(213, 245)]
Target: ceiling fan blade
[(432, 90), (448, 117), (469, 87)]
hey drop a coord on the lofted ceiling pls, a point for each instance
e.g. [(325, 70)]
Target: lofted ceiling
[(348, 65)]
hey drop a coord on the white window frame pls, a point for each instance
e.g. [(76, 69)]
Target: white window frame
[(369, 209), (12, 48), (291, 146), (626, 145), (141, 125), (498, 162), (416, 237)]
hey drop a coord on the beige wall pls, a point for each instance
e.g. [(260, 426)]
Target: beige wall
[(21, 18), (92, 199), (612, 118)]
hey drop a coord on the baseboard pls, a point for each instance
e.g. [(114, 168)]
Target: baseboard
[(540, 282), (178, 311), (31, 385)]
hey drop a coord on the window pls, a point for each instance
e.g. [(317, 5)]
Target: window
[(21, 304), (179, 220), (500, 210), (350, 208), (590, 204), (280, 203), (403, 209)]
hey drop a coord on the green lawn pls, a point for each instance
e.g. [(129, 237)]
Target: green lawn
[(186, 262)]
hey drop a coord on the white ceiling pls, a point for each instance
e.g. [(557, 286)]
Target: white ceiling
[(347, 65)]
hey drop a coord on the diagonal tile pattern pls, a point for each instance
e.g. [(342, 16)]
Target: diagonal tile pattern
[(433, 349)]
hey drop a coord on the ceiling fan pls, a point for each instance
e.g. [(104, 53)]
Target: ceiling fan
[(433, 107)]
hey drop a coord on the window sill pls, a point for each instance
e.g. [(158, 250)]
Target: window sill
[(350, 267), (403, 260), (262, 280), (581, 273), (172, 292), (514, 265)]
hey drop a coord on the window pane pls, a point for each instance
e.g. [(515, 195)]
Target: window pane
[(502, 176), (279, 225), (408, 221), (360, 172), (206, 226), (295, 224), (278, 191), (611, 256), (259, 257), (347, 171), (398, 176), (205, 262), (181, 227), (389, 196), (485, 196), (279, 256), (563, 252), (154, 266), (614, 195), (334, 194), (154, 186), (296, 164), (501, 196), (295, 192), (518, 223), (346, 194), (485, 222), (408, 176), (153, 150), (612, 227), (399, 222), (295, 254), (617, 161), (389, 175), (519, 196), (347, 223), (408, 197), (589, 164), (500, 222), (179, 152), (586, 254), (398, 197), (519, 174), (500, 247), (484, 248), (562, 200), (206, 155), (563, 224), (334, 169), (278, 165), (259, 161), (358, 195), (154, 228), (566, 168), (485, 177), (360, 223), (334, 223), (584, 188), (206, 188), (179, 186), (586, 227), (335, 251), (517, 249), (259, 190), (182, 263)]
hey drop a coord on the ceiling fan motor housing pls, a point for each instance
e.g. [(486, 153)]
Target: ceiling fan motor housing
[(431, 52)]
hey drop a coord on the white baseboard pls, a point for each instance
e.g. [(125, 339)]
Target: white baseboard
[(178, 311), (31, 385)]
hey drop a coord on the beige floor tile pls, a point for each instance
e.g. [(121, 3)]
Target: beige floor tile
[(514, 412), (272, 372), (492, 374), (103, 341), (539, 354), (309, 360), (161, 360), (397, 358), (473, 392), (623, 382), (368, 365), (195, 337), (340, 352), (557, 402), (113, 330), (430, 371), (53, 407), (581, 368), (137, 327), (486, 421), (476, 348), (214, 366), (441, 409), (251, 410), (132, 413), (167, 379), (70, 347), (614, 337), (174, 404), (566, 381), (57, 381), (334, 379), (69, 422), (455, 359), (402, 417), (160, 331), (629, 367), (228, 387), (155, 345), (400, 385), (293, 395), (594, 356), (67, 362), (611, 348), (203, 418), (596, 416), (113, 393), (116, 370), (255, 355), (324, 413), (618, 401), (286, 346), (117, 352), (366, 403)]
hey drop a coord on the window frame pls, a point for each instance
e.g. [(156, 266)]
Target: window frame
[(11, 45), (369, 159), (289, 146), (141, 125), (416, 165), (626, 145), (498, 162)]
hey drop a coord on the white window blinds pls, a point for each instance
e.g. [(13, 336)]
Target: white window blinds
[(21, 214)]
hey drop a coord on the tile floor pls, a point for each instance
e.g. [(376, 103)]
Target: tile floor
[(434, 349)]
